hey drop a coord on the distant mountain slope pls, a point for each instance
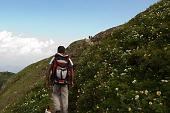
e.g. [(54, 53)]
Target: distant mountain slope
[(120, 70), (76, 48), (4, 76)]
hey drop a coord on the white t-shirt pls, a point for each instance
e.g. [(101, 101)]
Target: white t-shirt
[(70, 61)]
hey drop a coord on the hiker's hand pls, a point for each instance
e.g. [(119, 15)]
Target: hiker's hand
[(72, 84), (49, 85)]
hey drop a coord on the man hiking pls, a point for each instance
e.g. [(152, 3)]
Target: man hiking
[(61, 71)]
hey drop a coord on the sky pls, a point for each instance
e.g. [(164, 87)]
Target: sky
[(31, 30)]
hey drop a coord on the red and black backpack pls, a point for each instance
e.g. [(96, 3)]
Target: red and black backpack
[(61, 69)]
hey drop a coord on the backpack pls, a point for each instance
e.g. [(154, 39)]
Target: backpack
[(60, 69)]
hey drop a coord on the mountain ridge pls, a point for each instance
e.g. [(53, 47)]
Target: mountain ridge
[(4, 76)]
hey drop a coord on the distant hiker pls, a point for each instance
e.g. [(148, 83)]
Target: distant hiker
[(62, 75), (90, 37)]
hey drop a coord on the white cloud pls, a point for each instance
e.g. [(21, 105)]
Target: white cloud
[(17, 50)]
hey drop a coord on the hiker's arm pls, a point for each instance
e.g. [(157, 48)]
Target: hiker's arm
[(49, 75), (71, 72), (72, 76), (51, 65), (50, 68)]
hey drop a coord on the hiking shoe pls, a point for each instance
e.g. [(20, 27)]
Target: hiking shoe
[(57, 112)]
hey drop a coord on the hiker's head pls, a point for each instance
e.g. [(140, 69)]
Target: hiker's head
[(61, 49)]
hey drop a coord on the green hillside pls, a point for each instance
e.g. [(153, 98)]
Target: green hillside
[(24, 86), (123, 69), (128, 67)]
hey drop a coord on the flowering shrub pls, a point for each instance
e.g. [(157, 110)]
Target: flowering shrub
[(35, 101)]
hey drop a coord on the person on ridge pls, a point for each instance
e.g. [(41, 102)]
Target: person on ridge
[(61, 76)]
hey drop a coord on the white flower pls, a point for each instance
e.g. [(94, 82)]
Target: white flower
[(141, 92), (149, 55), (146, 92), (116, 89), (128, 51), (136, 97), (161, 104), (139, 108), (123, 74), (78, 91), (129, 109), (145, 55), (150, 103), (136, 91), (164, 81), (165, 48), (134, 81), (125, 70), (115, 70), (158, 93), (112, 74), (154, 99)]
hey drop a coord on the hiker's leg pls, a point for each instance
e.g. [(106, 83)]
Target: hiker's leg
[(64, 98), (56, 97)]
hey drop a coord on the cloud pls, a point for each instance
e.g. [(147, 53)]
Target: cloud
[(22, 46), (17, 50)]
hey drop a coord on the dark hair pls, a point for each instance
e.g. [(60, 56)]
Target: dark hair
[(61, 49)]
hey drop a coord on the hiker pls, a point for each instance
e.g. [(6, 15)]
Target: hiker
[(61, 71)]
